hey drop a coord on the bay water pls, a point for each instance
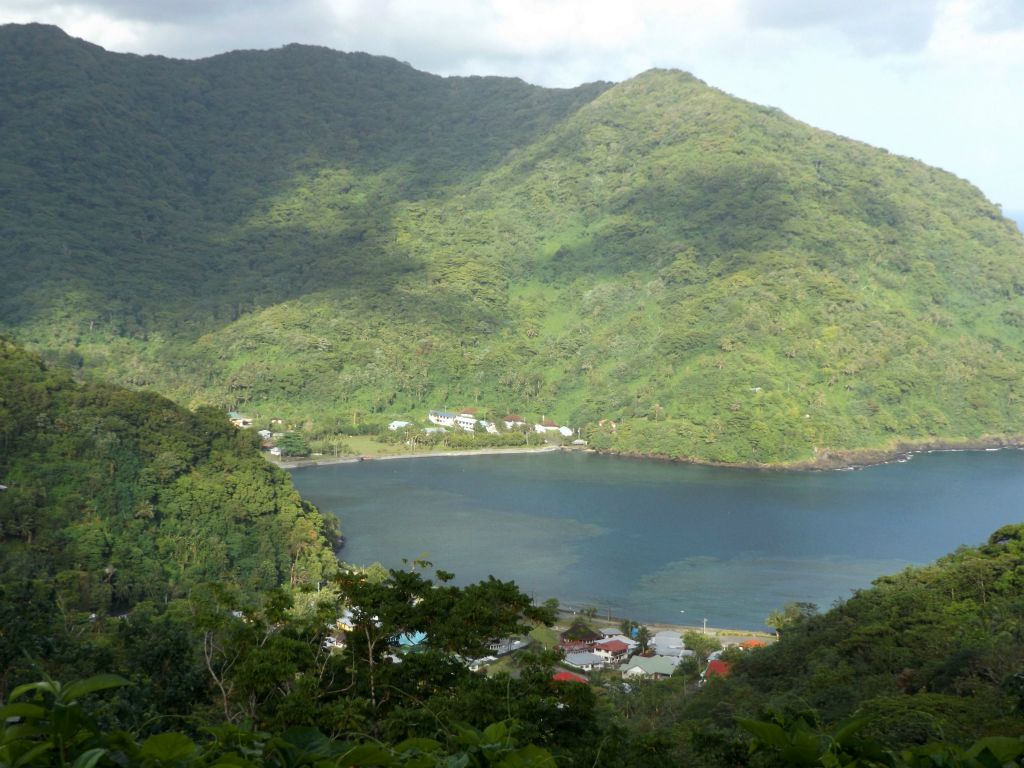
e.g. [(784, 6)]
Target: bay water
[(663, 542)]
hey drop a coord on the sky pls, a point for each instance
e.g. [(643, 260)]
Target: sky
[(938, 80)]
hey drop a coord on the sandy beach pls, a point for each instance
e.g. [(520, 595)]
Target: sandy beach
[(323, 462)]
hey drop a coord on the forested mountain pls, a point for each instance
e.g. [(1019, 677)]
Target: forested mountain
[(114, 497), (325, 236)]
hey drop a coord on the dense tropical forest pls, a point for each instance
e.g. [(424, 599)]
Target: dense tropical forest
[(336, 239), (166, 598)]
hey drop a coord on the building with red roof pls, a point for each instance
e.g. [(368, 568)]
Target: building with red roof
[(716, 668), (612, 651), (567, 677)]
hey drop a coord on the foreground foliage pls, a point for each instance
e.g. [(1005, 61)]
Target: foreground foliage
[(116, 497), (331, 238)]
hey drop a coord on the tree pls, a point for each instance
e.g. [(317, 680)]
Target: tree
[(790, 615), (292, 444), (643, 638), (702, 645)]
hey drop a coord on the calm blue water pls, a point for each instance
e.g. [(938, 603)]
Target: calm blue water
[(647, 540)]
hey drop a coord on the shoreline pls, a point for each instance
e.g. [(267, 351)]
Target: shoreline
[(827, 460), (847, 460), (734, 635), (324, 462)]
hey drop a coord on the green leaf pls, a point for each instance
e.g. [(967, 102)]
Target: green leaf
[(848, 728), (168, 746), (365, 755), (418, 745), (44, 687), (1005, 749), (804, 749), (765, 734), (495, 733), (530, 756), (232, 758), (30, 757), (32, 711), (309, 740), (92, 684), (466, 736), (89, 758)]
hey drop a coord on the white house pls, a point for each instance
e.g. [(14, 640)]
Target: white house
[(489, 426), (584, 660), (667, 639), (513, 420), (394, 426), (502, 646), (612, 651), (633, 644), (466, 422), (441, 418), (565, 431), (547, 425)]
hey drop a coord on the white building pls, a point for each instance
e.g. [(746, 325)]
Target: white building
[(584, 660), (489, 426), (442, 418), (394, 426), (466, 422)]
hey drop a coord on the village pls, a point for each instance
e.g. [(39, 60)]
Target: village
[(280, 441), (628, 652)]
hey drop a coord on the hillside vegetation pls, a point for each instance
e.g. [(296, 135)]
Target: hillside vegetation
[(115, 497), (334, 238), (931, 654)]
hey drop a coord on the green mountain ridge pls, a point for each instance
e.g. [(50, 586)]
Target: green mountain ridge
[(330, 237)]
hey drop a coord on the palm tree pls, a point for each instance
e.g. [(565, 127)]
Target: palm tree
[(643, 638)]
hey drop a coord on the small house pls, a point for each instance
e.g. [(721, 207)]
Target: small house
[(394, 426), (502, 646), (584, 660), (653, 667), (751, 644), (565, 431), (546, 425), (567, 677), (514, 420), (612, 651), (579, 635), (716, 668)]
